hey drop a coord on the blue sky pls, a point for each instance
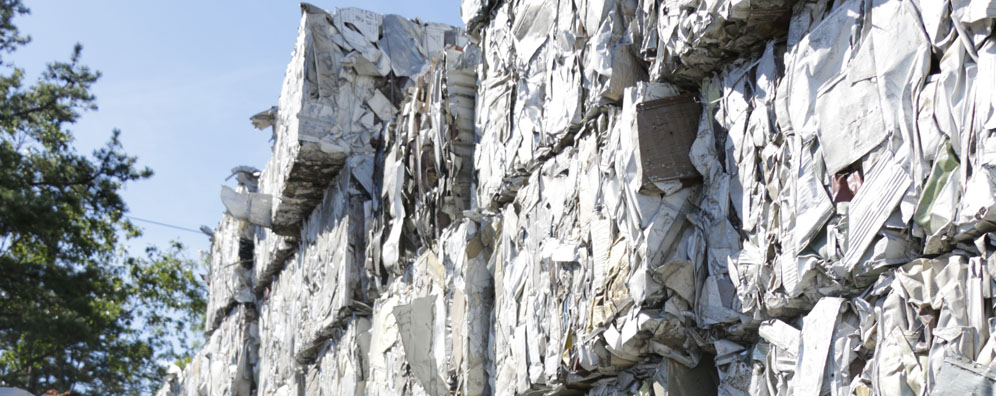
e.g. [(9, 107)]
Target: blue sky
[(180, 79)]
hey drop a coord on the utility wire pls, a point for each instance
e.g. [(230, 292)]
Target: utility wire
[(164, 224)]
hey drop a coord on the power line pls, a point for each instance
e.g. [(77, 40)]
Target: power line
[(165, 225)]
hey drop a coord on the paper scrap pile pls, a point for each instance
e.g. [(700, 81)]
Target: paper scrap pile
[(573, 197)]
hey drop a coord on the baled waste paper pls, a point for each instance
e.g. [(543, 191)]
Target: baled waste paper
[(430, 329), (227, 363), (343, 84), (229, 277), (841, 169), (332, 281), (278, 323), (339, 368), (571, 197), (426, 162)]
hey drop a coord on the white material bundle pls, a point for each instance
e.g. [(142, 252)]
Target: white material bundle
[(427, 161), (278, 323), (229, 275), (595, 270), (850, 170), (342, 85), (272, 252), (431, 329), (228, 361), (333, 280), (771, 197), (342, 360)]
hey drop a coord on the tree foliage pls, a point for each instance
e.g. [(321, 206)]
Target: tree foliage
[(75, 312)]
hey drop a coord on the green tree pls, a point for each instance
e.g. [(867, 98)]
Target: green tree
[(75, 312)]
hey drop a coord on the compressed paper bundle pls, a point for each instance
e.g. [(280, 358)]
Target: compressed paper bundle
[(387, 373), (227, 362), (798, 201), (229, 275), (194, 380), (692, 38), (597, 269), (550, 65), (271, 254), (537, 83), (173, 383), (342, 359), (663, 378), (431, 330), (853, 188), (232, 353), (427, 160), (406, 331), (333, 280), (846, 166), (466, 248), (278, 323), (343, 83), (921, 329)]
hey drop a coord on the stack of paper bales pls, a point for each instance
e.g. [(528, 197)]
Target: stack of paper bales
[(729, 197)]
